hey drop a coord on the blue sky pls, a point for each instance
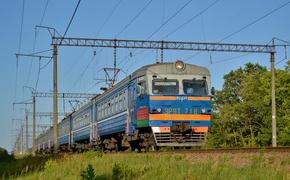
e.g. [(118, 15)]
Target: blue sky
[(225, 17)]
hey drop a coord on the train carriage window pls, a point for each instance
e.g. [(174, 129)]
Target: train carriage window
[(98, 112), (117, 103), (109, 107), (122, 101), (125, 100), (165, 86), (102, 111), (195, 87), (106, 109), (113, 105)]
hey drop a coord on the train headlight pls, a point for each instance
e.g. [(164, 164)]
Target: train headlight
[(158, 110), (203, 110), (180, 65)]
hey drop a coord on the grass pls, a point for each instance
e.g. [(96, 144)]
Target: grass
[(94, 165), (23, 165)]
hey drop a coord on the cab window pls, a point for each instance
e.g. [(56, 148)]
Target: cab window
[(165, 86), (195, 87)]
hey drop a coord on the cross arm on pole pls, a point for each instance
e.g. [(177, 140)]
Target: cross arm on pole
[(169, 45), (63, 95), (32, 55)]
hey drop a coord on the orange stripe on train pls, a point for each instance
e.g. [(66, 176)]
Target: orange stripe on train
[(185, 117), (199, 98), (190, 98), (162, 97)]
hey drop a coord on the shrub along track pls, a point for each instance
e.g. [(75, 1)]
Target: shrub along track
[(285, 149), (235, 150)]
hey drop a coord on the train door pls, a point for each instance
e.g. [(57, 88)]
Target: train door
[(131, 108)]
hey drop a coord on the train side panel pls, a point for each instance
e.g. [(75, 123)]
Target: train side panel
[(81, 124)]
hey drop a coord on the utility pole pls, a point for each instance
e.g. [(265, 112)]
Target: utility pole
[(22, 139), (26, 124), (274, 133), (33, 115), (33, 125), (26, 132), (55, 101)]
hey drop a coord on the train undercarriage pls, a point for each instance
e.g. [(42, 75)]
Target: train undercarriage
[(144, 139)]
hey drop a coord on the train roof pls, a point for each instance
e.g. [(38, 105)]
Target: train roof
[(169, 67), (159, 68)]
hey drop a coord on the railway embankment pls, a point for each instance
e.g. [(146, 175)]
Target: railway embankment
[(154, 165)]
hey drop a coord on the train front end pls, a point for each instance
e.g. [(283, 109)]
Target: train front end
[(179, 104)]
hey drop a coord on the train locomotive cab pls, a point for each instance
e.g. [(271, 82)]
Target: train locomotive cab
[(174, 103)]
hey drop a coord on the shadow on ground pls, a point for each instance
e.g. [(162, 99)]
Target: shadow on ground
[(23, 165)]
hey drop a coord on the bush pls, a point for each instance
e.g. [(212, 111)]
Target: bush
[(89, 173), (4, 156)]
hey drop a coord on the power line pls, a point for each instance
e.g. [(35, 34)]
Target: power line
[(41, 51), (38, 74), (191, 19), (100, 29), (19, 46), (245, 27), (109, 16), (163, 24), (188, 21), (44, 12), (231, 58), (34, 44), (281, 61), (169, 19), (44, 66), (71, 19), (36, 33), (255, 21), (86, 68), (134, 18), (21, 27), (287, 43)]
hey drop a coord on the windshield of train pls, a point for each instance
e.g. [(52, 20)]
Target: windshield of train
[(165, 86), (195, 87)]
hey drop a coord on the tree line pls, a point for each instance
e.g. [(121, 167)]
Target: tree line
[(242, 108)]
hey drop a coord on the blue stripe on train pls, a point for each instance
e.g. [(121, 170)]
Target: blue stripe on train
[(112, 126), (63, 140), (82, 134)]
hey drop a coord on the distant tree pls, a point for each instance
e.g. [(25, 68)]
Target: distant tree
[(243, 108), (4, 156)]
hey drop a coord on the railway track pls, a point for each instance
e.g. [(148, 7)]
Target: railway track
[(235, 150), (222, 150)]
